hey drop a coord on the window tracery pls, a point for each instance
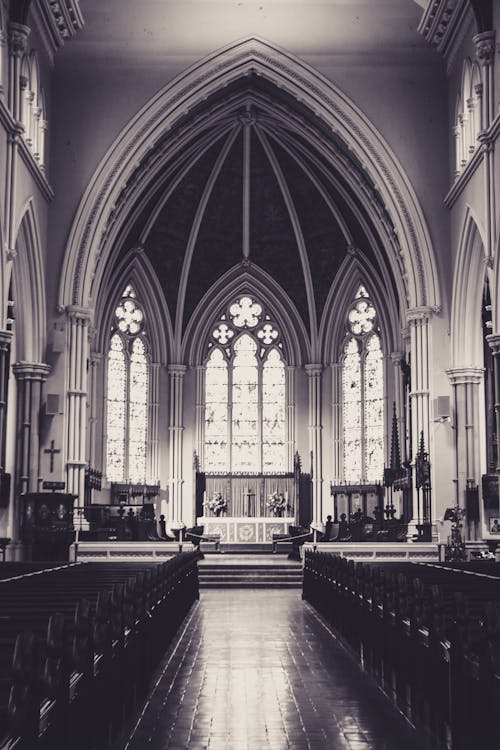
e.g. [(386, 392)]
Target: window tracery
[(245, 392), (127, 393), (362, 393)]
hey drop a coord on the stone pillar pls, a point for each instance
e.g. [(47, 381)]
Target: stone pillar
[(419, 325), (466, 382), (5, 341), (315, 429), (485, 53), (290, 405), (396, 358), (95, 407), (30, 379), (153, 422), (337, 442), (76, 400), (18, 40), (176, 428), (200, 413), (494, 343)]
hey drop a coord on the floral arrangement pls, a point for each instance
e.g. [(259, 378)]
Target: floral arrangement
[(277, 504), (217, 504)]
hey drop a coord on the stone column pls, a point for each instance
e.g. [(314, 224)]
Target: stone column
[(494, 343), (485, 53), (153, 422), (337, 442), (419, 325), (176, 428), (18, 40), (95, 407), (5, 342), (290, 405), (315, 429), (466, 382), (200, 413), (30, 378), (76, 399)]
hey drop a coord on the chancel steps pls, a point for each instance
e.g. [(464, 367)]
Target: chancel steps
[(241, 571)]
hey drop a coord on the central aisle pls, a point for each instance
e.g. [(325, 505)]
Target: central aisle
[(257, 669)]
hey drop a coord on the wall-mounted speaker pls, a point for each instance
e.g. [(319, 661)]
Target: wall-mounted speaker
[(52, 404), (441, 409), (58, 340)]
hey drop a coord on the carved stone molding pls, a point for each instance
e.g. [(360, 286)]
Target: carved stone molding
[(485, 47), (18, 38), (461, 375), (444, 24)]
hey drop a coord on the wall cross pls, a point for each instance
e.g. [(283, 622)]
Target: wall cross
[(52, 452)]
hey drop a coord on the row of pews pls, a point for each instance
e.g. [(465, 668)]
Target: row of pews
[(428, 633), (79, 644)]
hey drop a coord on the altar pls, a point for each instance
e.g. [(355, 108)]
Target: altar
[(242, 530)]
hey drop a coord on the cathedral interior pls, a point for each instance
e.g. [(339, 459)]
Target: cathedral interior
[(250, 280)]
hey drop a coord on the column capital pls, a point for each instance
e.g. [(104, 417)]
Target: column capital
[(177, 370), (396, 358), (31, 371), (18, 38), (484, 44), (494, 342), (462, 375), (419, 314), (313, 369), (5, 338), (75, 312)]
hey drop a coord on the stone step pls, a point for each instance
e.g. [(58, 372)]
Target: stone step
[(242, 584), (230, 574)]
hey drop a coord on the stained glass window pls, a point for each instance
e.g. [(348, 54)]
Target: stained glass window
[(363, 394), (127, 394), (245, 392)]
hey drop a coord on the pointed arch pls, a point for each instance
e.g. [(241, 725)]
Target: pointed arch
[(136, 269), (29, 288), (356, 270), (468, 283), (249, 279), (86, 256)]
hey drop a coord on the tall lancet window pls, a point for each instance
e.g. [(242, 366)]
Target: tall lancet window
[(127, 393), (245, 393), (363, 393)]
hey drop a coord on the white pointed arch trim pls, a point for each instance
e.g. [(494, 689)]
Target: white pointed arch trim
[(136, 269), (350, 275), (467, 293), (251, 281), (195, 85), (29, 289)]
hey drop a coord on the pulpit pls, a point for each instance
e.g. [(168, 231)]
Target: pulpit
[(47, 524)]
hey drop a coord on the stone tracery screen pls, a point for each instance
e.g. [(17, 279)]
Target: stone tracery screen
[(245, 429)]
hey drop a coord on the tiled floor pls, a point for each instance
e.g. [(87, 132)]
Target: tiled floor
[(258, 669)]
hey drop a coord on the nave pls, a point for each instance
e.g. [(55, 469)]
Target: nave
[(260, 669)]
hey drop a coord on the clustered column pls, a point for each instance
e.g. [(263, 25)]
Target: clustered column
[(154, 406), (485, 52), (418, 321), (5, 341), (176, 374), (78, 355), (494, 343), (30, 378), (315, 428), (466, 382)]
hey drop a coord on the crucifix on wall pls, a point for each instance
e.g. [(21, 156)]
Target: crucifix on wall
[(52, 451)]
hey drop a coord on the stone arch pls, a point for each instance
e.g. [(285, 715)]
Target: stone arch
[(85, 252), (29, 286), (251, 280), (468, 283)]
